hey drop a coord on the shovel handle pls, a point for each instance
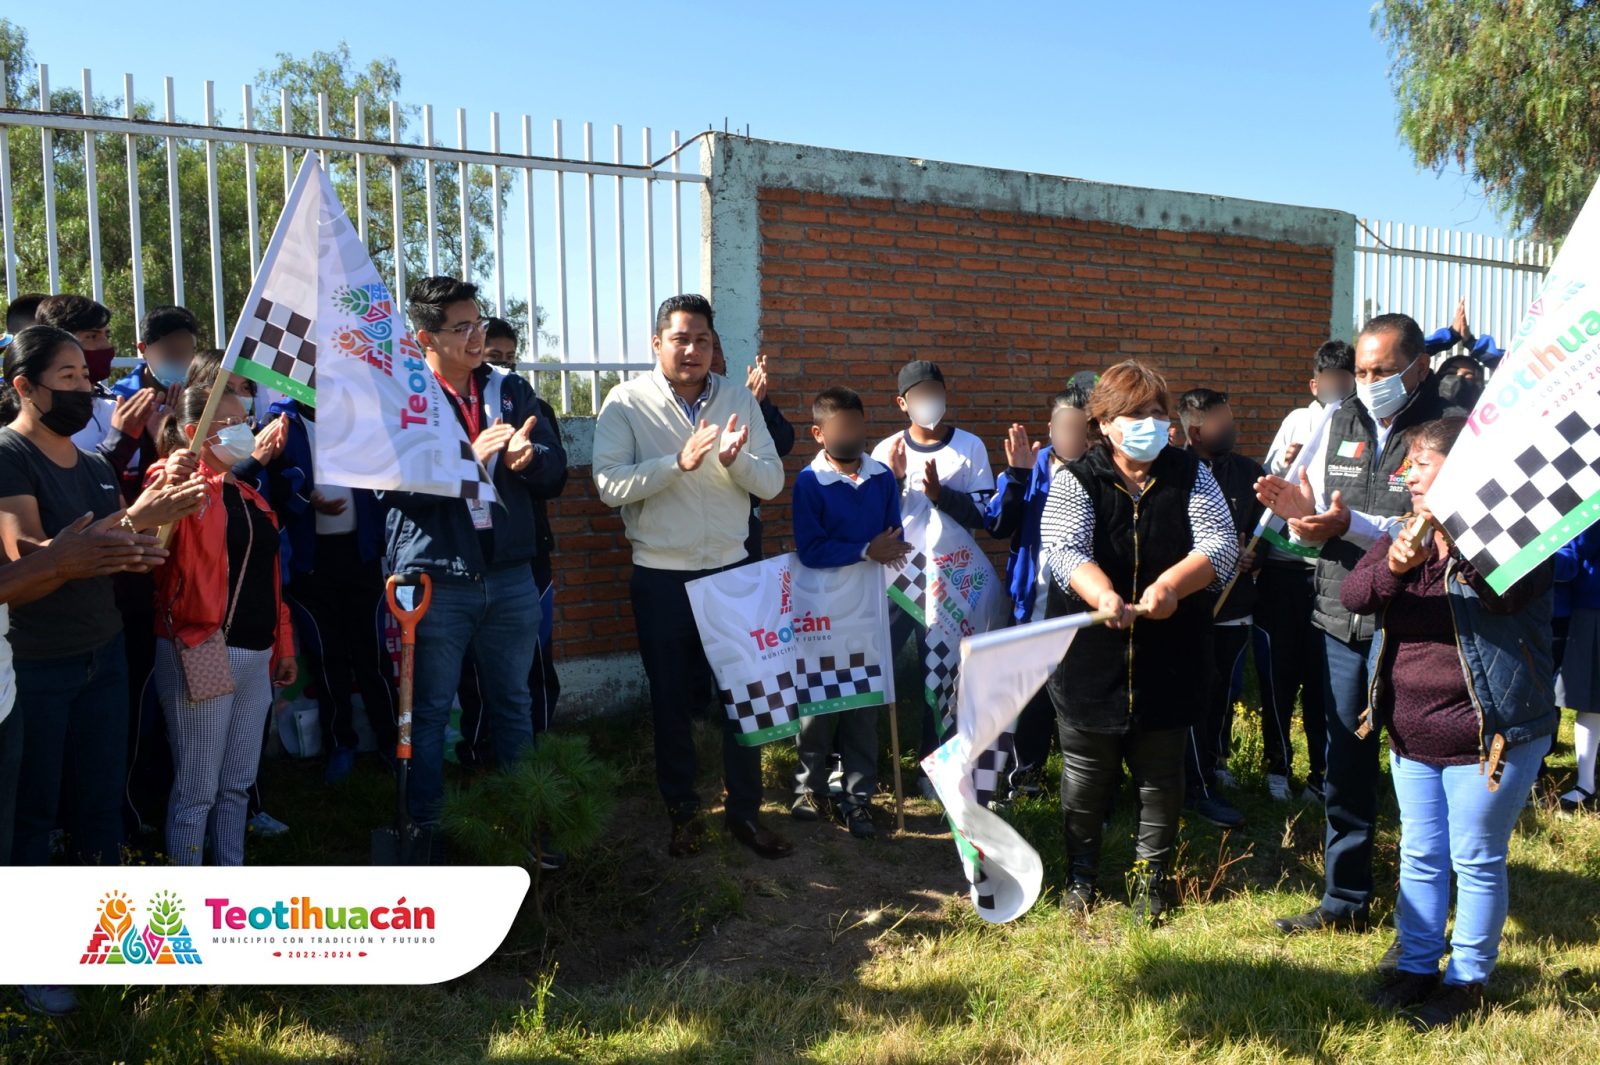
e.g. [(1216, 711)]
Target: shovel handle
[(408, 647), (408, 619)]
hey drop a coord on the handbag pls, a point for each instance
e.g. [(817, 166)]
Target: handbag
[(207, 672)]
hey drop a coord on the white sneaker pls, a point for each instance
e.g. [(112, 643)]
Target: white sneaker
[(1225, 779), (1278, 787), (266, 826)]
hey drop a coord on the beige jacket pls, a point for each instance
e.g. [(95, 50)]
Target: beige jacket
[(678, 520)]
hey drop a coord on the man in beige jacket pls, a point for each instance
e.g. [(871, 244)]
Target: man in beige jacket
[(681, 450)]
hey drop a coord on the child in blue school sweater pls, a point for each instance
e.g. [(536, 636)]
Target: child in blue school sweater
[(846, 510)]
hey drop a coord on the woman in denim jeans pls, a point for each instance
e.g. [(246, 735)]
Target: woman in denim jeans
[(1461, 677)]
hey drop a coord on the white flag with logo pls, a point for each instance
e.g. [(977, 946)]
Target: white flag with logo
[(788, 642), (1523, 478), (321, 326), (1000, 672)]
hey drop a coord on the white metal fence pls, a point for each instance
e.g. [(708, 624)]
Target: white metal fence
[(1422, 271), (581, 279)]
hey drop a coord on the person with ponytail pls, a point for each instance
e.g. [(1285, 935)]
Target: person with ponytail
[(1461, 678), (222, 633), (68, 645), (1133, 523)]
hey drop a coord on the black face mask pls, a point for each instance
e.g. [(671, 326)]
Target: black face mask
[(847, 451), (69, 411), (1223, 442)]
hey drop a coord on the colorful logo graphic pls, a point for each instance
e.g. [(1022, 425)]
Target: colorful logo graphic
[(118, 940), (371, 338)]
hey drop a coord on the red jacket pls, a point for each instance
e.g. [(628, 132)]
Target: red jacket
[(192, 584)]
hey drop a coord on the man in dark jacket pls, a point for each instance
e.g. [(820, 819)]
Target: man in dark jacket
[(1210, 432), (478, 553), (778, 427), (474, 747), (1363, 494)]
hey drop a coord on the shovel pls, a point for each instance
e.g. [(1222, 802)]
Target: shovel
[(403, 843)]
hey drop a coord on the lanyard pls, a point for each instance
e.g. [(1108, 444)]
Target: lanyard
[(468, 407)]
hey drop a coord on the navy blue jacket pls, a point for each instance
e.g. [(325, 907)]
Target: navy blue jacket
[(1578, 574), (288, 482), (1017, 516), (1504, 645), (434, 534)]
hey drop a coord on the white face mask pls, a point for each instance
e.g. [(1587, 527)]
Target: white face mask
[(1386, 398), (233, 444), (926, 411)]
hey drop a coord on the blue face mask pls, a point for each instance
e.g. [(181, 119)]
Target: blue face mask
[(1143, 438), (168, 374)]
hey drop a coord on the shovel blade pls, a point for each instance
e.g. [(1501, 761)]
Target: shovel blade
[(416, 847)]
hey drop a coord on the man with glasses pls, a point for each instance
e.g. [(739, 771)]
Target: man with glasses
[(478, 554), (1363, 495)]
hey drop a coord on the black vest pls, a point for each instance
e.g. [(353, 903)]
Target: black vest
[(1236, 476), (1153, 675), (1370, 482)]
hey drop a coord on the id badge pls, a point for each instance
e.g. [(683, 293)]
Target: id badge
[(479, 509)]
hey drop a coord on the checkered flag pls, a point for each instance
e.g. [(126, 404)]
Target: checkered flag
[(1547, 481), (990, 767), (827, 678), (764, 708), (281, 340), (909, 588), (320, 325), (941, 669)]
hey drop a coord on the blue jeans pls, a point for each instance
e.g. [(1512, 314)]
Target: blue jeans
[(74, 717), (1450, 820), (497, 618), (1352, 781)]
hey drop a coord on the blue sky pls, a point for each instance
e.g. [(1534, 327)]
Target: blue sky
[(1273, 101)]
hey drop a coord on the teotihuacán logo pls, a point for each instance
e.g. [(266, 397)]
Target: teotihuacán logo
[(117, 939)]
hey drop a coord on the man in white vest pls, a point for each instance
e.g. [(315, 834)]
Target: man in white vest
[(681, 450)]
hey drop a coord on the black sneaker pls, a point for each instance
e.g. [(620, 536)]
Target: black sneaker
[(1447, 1005), (1315, 791), (1390, 962), (1318, 919), (1578, 800), (858, 819), (1079, 897), (1401, 990), (1217, 810)]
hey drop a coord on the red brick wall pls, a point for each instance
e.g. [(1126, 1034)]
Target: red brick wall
[(1010, 306)]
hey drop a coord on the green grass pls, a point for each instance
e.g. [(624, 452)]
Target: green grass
[(728, 959)]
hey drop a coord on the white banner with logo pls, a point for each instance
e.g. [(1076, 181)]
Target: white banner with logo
[(788, 642), (255, 925)]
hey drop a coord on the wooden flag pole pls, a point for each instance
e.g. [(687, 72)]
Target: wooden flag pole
[(202, 430), (1251, 546), (899, 790)]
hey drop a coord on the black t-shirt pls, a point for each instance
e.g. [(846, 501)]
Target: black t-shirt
[(252, 544), (80, 615)]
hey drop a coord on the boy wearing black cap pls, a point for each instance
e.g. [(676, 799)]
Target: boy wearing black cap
[(949, 464)]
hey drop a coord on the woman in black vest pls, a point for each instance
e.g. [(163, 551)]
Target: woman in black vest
[(1139, 530)]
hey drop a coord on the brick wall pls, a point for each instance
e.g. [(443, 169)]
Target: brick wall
[(1010, 303)]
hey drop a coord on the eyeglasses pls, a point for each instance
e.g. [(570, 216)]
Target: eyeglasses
[(466, 329)]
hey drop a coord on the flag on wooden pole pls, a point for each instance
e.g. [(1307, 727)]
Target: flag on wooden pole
[(321, 326)]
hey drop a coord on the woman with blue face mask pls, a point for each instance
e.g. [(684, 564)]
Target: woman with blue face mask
[(223, 635), (1139, 531)]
